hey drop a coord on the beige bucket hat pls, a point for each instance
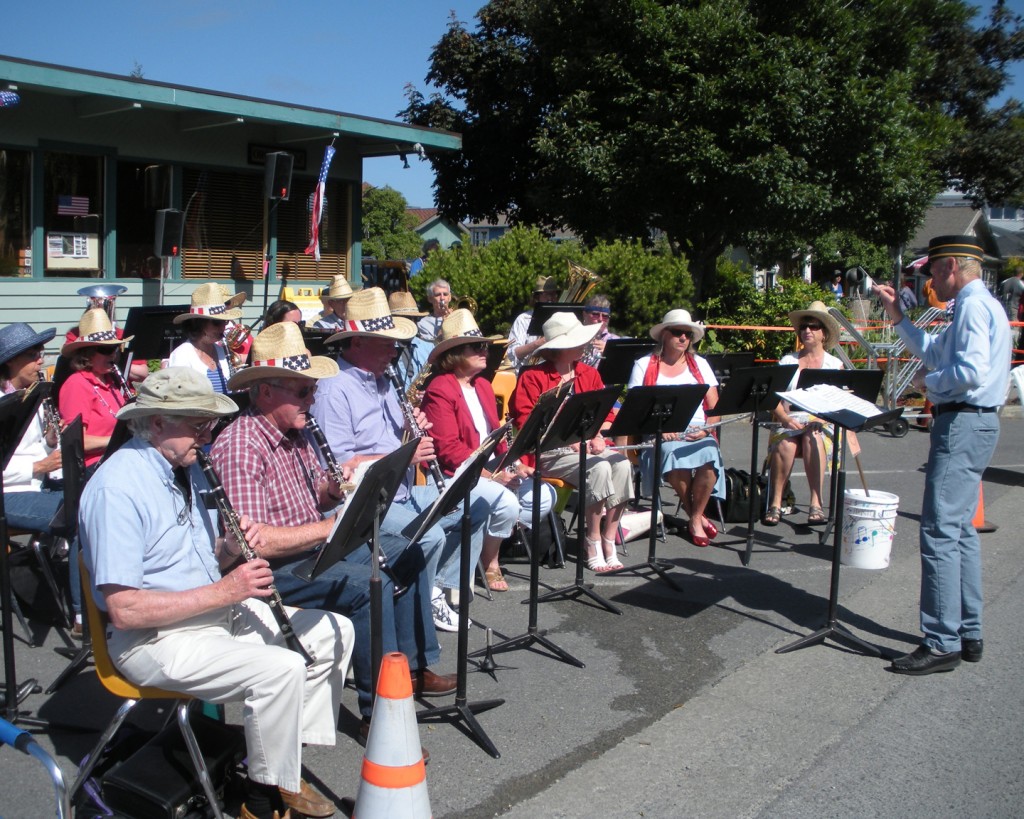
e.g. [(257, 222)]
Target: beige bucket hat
[(563, 331), (369, 315), (178, 391), (678, 318), (280, 352), (817, 310)]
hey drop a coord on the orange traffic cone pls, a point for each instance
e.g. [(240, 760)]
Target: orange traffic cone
[(979, 522), (394, 778)]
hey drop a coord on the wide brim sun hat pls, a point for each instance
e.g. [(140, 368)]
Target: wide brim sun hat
[(94, 330), (457, 329), (279, 351), (563, 331), (678, 318), (403, 303), (212, 301), (368, 314), (178, 391), (817, 310), (18, 337)]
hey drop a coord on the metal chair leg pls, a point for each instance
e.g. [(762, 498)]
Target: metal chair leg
[(94, 755), (197, 758)]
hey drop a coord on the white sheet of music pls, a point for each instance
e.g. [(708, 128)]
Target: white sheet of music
[(825, 398)]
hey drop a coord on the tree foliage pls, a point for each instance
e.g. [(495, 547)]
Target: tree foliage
[(716, 123), (387, 226)]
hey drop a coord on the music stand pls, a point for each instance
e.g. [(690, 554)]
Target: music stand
[(545, 310), (655, 411), (620, 354), (752, 389), (457, 489), (358, 523), (155, 333), (579, 419), (843, 420), (865, 384), (529, 438), (17, 410)]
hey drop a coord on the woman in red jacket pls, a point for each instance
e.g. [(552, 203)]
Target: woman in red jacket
[(609, 474), (460, 404)]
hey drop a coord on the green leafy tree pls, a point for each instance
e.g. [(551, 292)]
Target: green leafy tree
[(387, 226), (733, 122)]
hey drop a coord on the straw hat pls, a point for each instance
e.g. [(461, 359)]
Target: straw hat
[(818, 311), (94, 329), (178, 391), (459, 328), (369, 315), (402, 303), (678, 318), (340, 288), (18, 337), (280, 352), (563, 331), (212, 301), (546, 284)]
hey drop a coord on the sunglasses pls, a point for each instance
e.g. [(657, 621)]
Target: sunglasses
[(302, 393), (111, 351), (200, 428), (598, 314), (477, 347), (810, 326), (679, 332)]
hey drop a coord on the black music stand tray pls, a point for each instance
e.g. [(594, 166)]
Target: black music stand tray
[(155, 333), (545, 310), (358, 523), (752, 389), (843, 420), (865, 384), (579, 419), (620, 354), (17, 410), (529, 438), (458, 489), (656, 411)]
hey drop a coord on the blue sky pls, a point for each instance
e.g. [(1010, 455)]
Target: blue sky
[(343, 56)]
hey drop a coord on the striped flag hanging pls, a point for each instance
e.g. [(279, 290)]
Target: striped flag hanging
[(72, 205), (317, 209)]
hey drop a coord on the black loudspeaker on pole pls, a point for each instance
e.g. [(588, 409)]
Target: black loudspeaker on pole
[(278, 175), (169, 226)]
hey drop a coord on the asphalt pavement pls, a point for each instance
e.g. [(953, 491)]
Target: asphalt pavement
[(684, 708)]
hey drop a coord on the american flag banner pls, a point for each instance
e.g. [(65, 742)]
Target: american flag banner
[(72, 205), (317, 209)]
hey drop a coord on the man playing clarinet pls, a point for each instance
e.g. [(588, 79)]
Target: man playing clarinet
[(185, 615)]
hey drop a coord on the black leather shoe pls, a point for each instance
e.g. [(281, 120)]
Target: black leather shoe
[(924, 661), (971, 650)]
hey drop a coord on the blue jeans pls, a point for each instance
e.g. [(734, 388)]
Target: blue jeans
[(962, 445), (406, 623), (32, 511)]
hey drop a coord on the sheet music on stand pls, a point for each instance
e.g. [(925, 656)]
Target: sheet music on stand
[(824, 399)]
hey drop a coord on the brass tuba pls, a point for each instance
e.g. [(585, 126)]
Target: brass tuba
[(465, 303), (581, 283)]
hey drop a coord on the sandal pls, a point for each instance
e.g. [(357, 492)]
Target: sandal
[(495, 580), (595, 556), (816, 516), (772, 516), (611, 560)]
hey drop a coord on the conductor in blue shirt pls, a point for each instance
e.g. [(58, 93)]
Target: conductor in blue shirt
[(965, 373)]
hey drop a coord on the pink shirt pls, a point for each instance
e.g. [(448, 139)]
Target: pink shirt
[(95, 400)]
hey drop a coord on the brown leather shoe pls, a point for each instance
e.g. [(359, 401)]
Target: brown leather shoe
[(364, 733), (245, 813), (426, 683), (307, 801)]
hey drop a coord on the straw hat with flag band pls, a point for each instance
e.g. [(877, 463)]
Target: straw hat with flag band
[(563, 331), (212, 301), (94, 329), (340, 288), (280, 352), (178, 391), (678, 318), (818, 311), (403, 303), (369, 315), (460, 328)]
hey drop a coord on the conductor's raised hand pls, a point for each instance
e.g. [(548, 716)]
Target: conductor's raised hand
[(890, 300)]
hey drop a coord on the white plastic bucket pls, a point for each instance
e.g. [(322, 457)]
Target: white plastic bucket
[(869, 523)]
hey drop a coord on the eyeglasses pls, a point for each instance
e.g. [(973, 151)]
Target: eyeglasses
[(200, 428), (598, 314), (302, 393), (809, 326), (679, 332), (477, 347)]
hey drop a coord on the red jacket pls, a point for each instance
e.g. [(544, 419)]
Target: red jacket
[(455, 436)]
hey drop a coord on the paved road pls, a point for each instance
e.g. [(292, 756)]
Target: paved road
[(684, 708)]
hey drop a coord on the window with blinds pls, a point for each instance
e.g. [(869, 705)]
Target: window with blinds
[(223, 235)]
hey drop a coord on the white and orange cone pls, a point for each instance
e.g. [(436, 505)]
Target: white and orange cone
[(394, 777)]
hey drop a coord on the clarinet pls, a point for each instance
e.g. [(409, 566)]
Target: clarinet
[(232, 525), (414, 428), (122, 383), (335, 469)]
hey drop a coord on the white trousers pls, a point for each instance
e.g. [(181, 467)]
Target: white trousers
[(238, 654)]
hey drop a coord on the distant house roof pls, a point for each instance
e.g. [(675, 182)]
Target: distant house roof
[(1011, 242), (422, 214), (953, 217)]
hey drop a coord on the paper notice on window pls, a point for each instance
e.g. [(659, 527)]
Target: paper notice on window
[(822, 399)]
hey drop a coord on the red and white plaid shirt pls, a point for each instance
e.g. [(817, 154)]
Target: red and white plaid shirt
[(272, 477)]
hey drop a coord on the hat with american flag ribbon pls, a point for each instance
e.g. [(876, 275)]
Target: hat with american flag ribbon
[(279, 351), (94, 330), (212, 301), (369, 315)]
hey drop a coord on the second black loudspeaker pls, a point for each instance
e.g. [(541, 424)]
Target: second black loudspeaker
[(278, 175), (169, 224)]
